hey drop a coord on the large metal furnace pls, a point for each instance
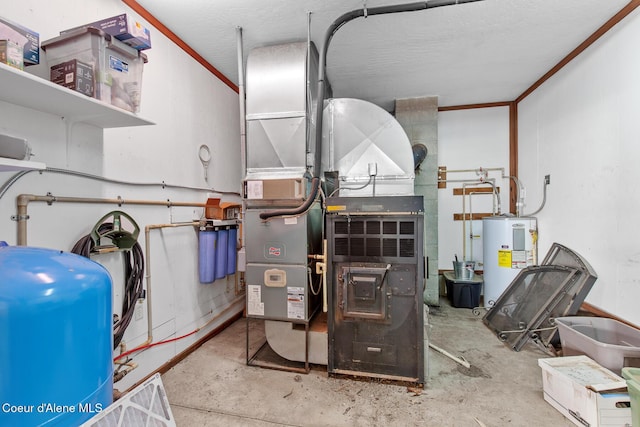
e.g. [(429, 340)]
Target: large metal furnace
[(376, 273), (372, 287)]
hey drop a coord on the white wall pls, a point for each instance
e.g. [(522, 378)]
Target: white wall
[(582, 128), (470, 139), (190, 107)]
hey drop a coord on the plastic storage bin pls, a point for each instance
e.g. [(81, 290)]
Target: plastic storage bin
[(632, 375), (611, 343), (117, 67), (463, 293)]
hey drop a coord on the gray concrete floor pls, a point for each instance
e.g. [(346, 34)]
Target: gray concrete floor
[(213, 386)]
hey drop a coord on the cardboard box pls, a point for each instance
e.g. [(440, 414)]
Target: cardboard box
[(125, 29), (75, 75), (27, 39), (11, 54), (225, 210), (585, 392)]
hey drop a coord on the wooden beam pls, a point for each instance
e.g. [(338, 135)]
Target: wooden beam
[(469, 190), (442, 177), (466, 217), (473, 106), (615, 19), (513, 155), (591, 309)]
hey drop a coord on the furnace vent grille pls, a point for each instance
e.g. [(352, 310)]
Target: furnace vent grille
[(374, 238)]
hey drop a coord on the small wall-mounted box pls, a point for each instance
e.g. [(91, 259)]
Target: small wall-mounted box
[(214, 209)]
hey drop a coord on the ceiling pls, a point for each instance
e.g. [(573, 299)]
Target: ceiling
[(481, 52)]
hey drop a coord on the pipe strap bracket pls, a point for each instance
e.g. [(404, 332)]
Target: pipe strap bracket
[(19, 217)]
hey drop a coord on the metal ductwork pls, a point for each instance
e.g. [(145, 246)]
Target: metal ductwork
[(368, 149)]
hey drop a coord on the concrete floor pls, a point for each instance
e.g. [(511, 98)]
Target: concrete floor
[(214, 387)]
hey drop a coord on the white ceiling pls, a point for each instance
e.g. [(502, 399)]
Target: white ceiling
[(487, 51)]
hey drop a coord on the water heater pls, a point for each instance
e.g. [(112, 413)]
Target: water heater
[(509, 244)]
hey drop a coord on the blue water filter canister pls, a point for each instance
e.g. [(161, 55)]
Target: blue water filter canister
[(207, 255), (232, 248), (221, 252), (56, 338)]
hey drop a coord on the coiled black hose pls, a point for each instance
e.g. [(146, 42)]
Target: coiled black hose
[(134, 274)]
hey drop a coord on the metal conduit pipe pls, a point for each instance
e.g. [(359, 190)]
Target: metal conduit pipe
[(23, 200), (349, 16), (333, 28), (242, 100)]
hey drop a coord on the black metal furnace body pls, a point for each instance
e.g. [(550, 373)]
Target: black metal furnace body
[(376, 282)]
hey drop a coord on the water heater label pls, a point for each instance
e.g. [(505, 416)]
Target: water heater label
[(504, 259), (518, 259)]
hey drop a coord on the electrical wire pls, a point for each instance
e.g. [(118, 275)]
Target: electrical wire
[(353, 188), (5, 187), (133, 289), (145, 346)]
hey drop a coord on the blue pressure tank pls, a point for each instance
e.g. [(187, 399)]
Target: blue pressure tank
[(56, 338)]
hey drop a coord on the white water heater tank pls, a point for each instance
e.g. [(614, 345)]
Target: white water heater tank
[(509, 244)]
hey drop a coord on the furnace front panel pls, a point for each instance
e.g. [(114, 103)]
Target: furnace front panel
[(376, 280)]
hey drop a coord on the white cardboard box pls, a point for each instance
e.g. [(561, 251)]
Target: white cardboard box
[(585, 392)]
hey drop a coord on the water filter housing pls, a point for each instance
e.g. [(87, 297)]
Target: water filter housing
[(509, 244)]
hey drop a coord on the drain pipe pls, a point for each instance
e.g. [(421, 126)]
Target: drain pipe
[(333, 28), (23, 200)]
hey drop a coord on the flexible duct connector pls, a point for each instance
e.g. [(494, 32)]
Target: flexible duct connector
[(315, 185)]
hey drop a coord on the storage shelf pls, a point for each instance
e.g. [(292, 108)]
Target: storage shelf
[(19, 165), (21, 88)]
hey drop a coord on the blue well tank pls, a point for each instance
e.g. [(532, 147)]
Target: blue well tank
[(56, 338)]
